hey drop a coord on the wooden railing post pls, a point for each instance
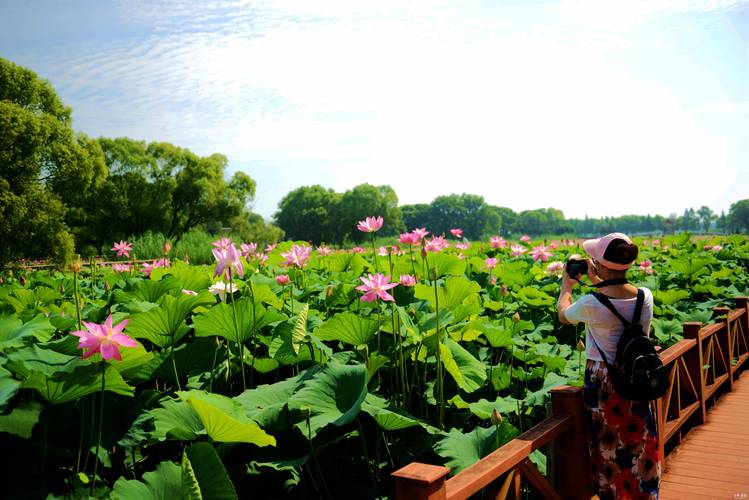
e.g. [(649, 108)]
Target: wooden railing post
[(571, 455), (695, 361), (725, 341), (417, 481), (743, 303)]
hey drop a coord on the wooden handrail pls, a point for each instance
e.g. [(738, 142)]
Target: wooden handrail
[(686, 401)]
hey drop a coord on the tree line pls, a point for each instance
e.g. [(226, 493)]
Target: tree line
[(63, 192)]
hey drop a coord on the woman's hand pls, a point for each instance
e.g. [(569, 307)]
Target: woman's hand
[(592, 274), (567, 282)]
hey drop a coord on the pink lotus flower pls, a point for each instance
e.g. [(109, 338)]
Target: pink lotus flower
[(409, 239), (167, 247), (436, 244), (370, 224), (553, 244), (717, 248), (147, 268), (104, 339), (357, 250), (375, 286), (457, 232), (261, 258), (656, 243), (462, 245), (420, 233), (541, 253), (555, 267), (189, 292), (270, 247), (646, 266), (491, 263), (644, 243), (121, 268), (248, 249), (282, 279), (323, 250), (226, 260), (498, 242), (460, 256), (297, 256), (407, 280), (492, 280), (517, 250), (382, 251), (222, 244), (525, 238), (122, 248)]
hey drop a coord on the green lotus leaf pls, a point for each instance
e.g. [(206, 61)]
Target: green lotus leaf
[(21, 421), (204, 476), (225, 420), (463, 450), (164, 482), (334, 396), (166, 324), (669, 297), (14, 333), (68, 386), (347, 327), (391, 418), (219, 320), (535, 297), (469, 373)]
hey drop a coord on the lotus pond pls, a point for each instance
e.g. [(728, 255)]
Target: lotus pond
[(285, 374)]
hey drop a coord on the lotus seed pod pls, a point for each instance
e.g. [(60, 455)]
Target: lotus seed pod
[(516, 317)]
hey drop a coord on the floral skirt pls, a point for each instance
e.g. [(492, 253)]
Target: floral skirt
[(622, 440)]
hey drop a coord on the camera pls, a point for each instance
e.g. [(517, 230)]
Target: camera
[(577, 267)]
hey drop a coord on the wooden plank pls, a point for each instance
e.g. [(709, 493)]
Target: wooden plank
[(470, 480), (701, 481), (672, 426), (734, 453), (537, 481), (697, 462), (678, 490), (716, 456), (706, 471)]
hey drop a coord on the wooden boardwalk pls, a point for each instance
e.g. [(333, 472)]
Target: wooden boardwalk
[(712, 460)]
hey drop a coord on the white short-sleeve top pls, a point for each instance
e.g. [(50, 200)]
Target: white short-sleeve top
[(603, 326)]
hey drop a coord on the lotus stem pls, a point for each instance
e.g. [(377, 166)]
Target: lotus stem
[(101, 425), (236, 330), (77, 300), (440, 384), (254, 327), (374, 254), (174, 366)]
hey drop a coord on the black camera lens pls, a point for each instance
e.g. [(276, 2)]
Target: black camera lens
[(577, 267)]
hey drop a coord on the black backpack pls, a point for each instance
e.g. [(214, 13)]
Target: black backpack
[(638, 373)]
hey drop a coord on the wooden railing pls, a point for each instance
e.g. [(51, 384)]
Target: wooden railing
[(701, 367)]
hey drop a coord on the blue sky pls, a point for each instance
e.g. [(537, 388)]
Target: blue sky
[(594, 107)]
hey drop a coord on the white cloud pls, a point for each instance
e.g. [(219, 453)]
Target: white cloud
[(529, 107)]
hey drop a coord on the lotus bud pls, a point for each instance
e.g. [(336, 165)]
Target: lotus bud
[(75, 265), (329, 290), (106, 286), (516, 317), (503, 290), (167, 247), (492, 280), (22, 280), (580, 345), (496, 417), (282, 279)]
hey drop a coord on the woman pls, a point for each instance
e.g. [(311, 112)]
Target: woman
[(622, 438)]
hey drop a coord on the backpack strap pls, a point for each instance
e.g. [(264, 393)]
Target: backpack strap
[(638, 306), (606, 302)]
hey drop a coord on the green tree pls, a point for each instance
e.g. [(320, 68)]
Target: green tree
[(366, 200), (306, 213), (706, 217), (39, 155), (416, 215), (738, 215), (466, 211)]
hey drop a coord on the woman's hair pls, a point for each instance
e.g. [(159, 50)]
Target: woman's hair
[(621, 252)]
